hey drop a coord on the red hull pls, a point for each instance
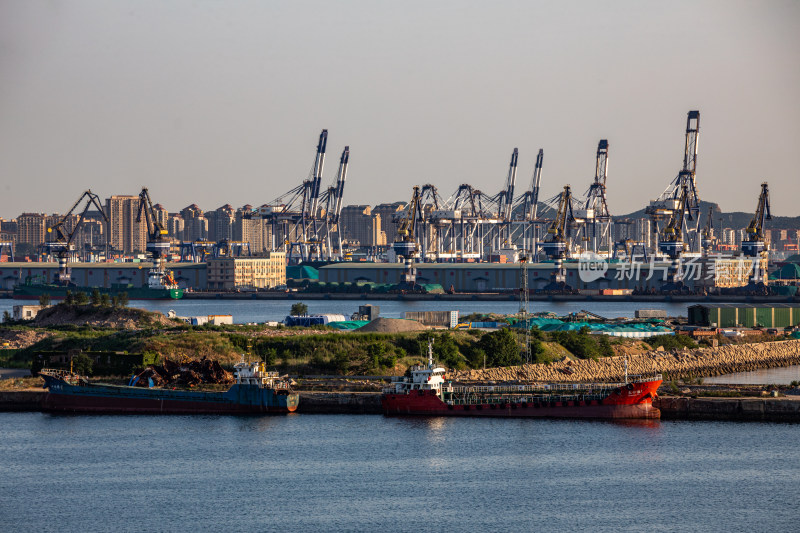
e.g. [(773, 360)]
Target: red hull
[(632, 402), (88, 404)]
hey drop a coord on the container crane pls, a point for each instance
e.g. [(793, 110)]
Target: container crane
[(669, 201), (671, 238), (595, 214), (753, 244), (62, 243), (528, 205), (505, 201), (406, 245), (333, 204), (157, 243)]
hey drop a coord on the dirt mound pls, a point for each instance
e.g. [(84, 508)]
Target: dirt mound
[(113, 317), (22, 338), (191, 372), (391, 325)]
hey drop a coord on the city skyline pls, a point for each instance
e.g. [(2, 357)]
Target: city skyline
[(106, 96)]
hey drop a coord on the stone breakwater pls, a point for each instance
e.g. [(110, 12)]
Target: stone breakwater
[(672, 364)]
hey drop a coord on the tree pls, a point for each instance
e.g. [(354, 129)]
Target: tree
[(6, 316), (299, 309), (105, 301), (501, 348), (123, 299), (81, 298), (44, 300), (95, 298), (69, 298), (82, 364)]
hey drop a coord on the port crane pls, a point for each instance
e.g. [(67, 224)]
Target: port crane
[(753, 245), (671, 241), (594, 218), (333, 206), (505, 200), (555, 243), (298, 219), (406, 244), (158, 243), (63, 236), (707, 238), (670, 200), (527, 205)]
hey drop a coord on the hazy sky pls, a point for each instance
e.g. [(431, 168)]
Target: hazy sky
[(215, 102)]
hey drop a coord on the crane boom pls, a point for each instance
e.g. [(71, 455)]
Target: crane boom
[(62, 243), (754, 243), (536, 181)]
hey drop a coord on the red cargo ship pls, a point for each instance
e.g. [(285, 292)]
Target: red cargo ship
[(423, 391)]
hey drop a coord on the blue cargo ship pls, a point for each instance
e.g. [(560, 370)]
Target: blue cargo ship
[(255, 391)]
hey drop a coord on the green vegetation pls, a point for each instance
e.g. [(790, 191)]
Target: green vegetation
[(299, 309), (584, 345), (44, 300), (304, 351)]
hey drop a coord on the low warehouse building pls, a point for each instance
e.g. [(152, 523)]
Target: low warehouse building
[(744, 315)]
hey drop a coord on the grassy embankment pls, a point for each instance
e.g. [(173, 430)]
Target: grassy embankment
[(321, 351)]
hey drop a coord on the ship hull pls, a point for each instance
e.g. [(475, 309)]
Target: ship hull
[(239, 399), (634, 402)]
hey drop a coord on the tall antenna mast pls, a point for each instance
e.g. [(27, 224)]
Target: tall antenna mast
[(523, 304)]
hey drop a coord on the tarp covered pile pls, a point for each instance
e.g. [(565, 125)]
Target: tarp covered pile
[(632, 330), (192, 372)]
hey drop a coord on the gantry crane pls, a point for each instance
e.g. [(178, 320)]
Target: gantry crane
[(406, 244), (594, 217), (333, 205), (62, 236), (671, 241), (528, 207), (505, 200), (669, 201), (157, 243)]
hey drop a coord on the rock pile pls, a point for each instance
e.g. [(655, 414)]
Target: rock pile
[(192, 372), (673, 364)]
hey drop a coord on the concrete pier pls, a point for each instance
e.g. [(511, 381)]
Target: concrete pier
[(783, 409)]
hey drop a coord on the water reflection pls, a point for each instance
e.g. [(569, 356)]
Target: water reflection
[(768, 376)]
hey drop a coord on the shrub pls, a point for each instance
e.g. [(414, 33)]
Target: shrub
[(82, 364), (501, 348), (298, 309)]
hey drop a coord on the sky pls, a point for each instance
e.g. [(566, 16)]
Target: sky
[(213, 102)]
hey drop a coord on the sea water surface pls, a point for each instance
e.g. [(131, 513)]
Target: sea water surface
[(373, 473)]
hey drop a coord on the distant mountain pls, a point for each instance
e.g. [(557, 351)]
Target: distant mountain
[(734, 220)]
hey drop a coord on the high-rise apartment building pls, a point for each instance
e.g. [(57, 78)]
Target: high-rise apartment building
[(31, 229), (127, 235), (195, 225), (220, 223)]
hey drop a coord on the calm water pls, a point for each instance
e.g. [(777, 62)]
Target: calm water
[(370, 473), (769, 376), (244, 311)]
